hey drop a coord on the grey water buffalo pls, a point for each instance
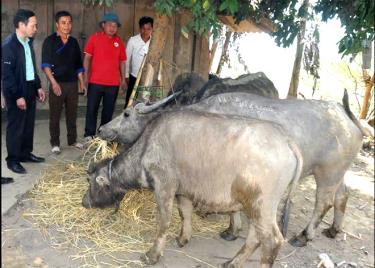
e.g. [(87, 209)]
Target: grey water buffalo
[(328, 134), (255, 83), (234, 166), (194, 88)]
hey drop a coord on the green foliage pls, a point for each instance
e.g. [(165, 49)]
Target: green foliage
[(231, 5), (284, 13), (204, 13), (108, 3), (165, 6), (357, 17), (287, 17)]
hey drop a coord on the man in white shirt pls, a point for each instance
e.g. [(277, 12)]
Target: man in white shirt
[(136, 49)]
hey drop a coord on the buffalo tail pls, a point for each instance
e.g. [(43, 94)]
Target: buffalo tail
[(292, 186), (345, 103)]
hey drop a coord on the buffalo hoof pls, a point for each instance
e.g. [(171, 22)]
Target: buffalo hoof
[(330, 232), (149, 258), (227, 235), (298, 241), (181, 242)]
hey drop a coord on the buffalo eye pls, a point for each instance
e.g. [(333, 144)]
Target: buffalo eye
[(126, 114)]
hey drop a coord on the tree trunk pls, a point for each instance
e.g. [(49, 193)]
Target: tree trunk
[(294, 81), (224, 52), (369, 85), (212, 54), (293, 86), (159, 35)]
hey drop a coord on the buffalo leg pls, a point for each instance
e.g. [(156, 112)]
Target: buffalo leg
[(185, 209), (164, 203), (323, 202), (261, 216), (247, 249), (341, 198), (328, 182), (263, 232), (234, 228), (271, 241)]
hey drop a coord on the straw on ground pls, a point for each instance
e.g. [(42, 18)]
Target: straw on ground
[(100, 236)]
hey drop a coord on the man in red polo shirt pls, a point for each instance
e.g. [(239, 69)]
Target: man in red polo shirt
[(104, 63)]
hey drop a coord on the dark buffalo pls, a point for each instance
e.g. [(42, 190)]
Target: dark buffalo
[(194, 88)]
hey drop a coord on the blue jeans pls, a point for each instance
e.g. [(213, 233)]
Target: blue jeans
[(95, 94)]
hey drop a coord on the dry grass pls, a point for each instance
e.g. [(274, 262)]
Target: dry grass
[(99, 149), (100, 236)]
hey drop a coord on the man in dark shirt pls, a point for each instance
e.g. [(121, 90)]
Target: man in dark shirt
[(21, 86), (62, 64)]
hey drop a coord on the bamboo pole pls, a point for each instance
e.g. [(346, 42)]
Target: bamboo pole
[(369, 85), (130, 103), (160, 76)]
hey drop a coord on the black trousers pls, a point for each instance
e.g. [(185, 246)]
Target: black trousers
[(95, 94), (20, 126), (132, 80), (69, 100)]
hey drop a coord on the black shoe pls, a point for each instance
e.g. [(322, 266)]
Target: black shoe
[(5, 180), (33, 158), (16, 168)]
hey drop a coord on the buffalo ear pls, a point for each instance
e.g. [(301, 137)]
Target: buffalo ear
[(101, 181), (91, 168)]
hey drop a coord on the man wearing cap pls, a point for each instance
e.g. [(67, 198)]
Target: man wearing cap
[(104, 64)]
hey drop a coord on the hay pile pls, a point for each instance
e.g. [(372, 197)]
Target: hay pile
[(100, 236)]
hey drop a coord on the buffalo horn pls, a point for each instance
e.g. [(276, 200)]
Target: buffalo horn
[(144, 109)]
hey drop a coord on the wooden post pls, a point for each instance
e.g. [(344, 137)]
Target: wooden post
[(224, 52), (294, 81), (369, 85), (130, 103)]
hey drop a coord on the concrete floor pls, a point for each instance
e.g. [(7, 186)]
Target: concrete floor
[(10, 193)]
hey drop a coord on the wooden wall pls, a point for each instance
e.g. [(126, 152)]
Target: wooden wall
[(178, 53)]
